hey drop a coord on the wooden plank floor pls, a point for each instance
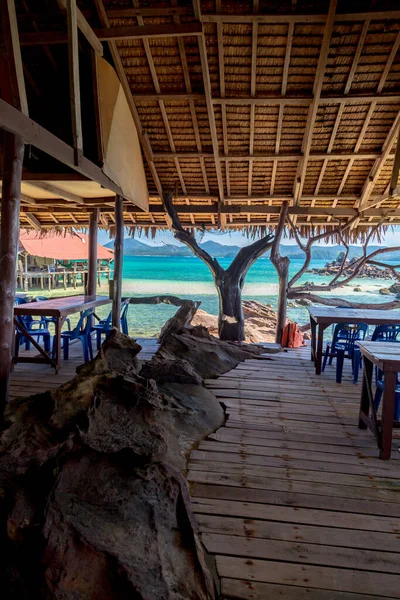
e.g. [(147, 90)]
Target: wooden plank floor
[(289, 495), (28, 379)]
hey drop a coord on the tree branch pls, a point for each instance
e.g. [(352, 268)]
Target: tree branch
[(307, 248), (188, 239), (315, 299), (358, 265), (248, 256), (276, 257)]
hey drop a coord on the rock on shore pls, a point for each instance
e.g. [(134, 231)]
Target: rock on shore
[(259, 325)]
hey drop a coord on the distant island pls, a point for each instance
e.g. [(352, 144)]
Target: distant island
[(133, 247)]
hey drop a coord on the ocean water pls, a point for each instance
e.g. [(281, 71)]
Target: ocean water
[(189, 277)]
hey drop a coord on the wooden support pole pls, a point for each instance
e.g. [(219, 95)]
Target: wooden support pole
[(92, 263), (118, 259), (74, 84), (13, 153)]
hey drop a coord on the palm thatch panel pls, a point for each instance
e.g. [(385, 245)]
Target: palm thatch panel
[(268, 102)]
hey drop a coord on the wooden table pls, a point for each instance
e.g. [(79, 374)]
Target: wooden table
[(324, 316), (59, 308), (385, 356)]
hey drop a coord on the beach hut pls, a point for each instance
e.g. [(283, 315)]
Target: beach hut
[(58, 258)]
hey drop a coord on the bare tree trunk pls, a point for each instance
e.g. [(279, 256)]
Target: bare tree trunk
[(283, 275), (281, 264), (231, 317), (229, 282)]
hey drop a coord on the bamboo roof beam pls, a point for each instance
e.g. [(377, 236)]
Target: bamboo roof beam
[(389, 64), (357, 55), (272, 100), (107, 34), (33, 221), (253, 82), (53, 189), (299, 18), (272, 157), (126, 87), (161, 104), (299, 100), (174, 11), (379, 163), (208, 95), (330, 147), (313, 109), (188, 85), (396, 168)]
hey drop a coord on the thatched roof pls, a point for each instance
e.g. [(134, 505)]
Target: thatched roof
[(274, 100)]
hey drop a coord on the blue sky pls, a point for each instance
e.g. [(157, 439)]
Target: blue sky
[(392, 238)]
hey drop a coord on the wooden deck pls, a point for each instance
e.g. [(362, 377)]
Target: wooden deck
[(289, 495), (28, 379)]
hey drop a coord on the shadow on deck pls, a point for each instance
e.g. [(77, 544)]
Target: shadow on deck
[(28, 379), (289, 495)]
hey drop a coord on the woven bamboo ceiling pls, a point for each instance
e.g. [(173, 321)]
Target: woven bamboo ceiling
[(241, 105)]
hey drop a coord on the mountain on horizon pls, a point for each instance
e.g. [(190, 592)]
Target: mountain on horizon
[(133, 247)]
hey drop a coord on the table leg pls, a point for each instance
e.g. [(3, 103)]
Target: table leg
[(320, 348), (365, 392), (58, 325), (313, 326), (389, 392)]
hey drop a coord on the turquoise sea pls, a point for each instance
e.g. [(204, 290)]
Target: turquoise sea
[(189, 277)]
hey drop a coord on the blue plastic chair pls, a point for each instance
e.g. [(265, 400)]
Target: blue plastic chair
[(30, 325), (104, 325), (380, 382), (80, 332), (386, 333), (52, 320), (343, 346), (124, 316)]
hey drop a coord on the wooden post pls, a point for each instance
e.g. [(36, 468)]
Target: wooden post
[(118, 259), (283, 275), (92, 263), (13, 153)]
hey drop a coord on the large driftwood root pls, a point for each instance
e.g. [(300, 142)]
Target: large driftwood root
[(93, 504)]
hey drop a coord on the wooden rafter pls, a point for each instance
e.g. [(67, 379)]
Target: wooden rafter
[(107, 34), (379, 163), (154, 76), (313, 109), (74, 83), (208, 95), (389, 63), (13, 50), (299, 18), (125, 84), (60, 193), (85, 29), (188, 85), (396, 168), (357, 55), (253, 83), (32, 220)]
